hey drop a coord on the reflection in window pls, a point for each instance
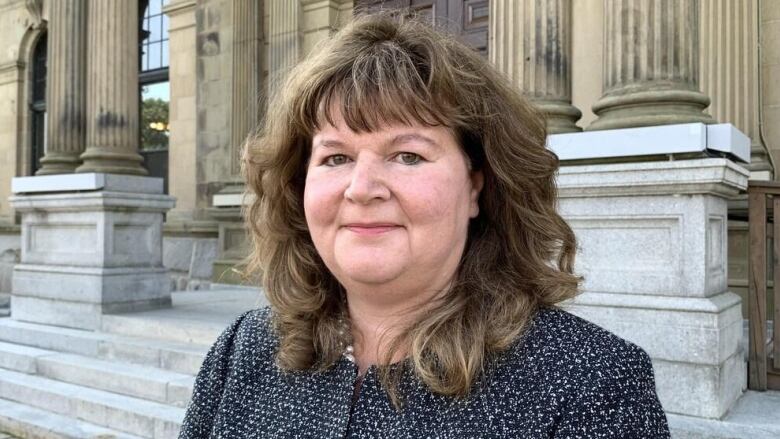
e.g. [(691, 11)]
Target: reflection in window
[(38, 105), (154, 116), (154, 37), (154, 88)]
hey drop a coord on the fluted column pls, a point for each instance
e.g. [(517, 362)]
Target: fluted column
[(531, 43), (65, 87), (651, 65), (112, 90), (729, 73), (285, 38), (247, 73)]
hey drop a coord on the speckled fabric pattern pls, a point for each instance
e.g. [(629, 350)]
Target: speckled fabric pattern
[(564, 378)]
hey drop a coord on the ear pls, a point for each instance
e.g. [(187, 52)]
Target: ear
[(477, 182)]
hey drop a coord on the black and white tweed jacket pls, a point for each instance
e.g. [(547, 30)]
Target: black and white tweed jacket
[(564, 378)]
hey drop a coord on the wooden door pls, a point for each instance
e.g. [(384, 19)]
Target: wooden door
[(465, 18)]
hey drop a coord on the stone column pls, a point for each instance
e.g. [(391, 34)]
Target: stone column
[(651, 65), (729, 73), (531, 43), (183, 111), (285, 38), (112, 90), (66, 87), (247, 74)]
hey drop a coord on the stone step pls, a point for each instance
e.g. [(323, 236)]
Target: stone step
[(30, 422), (195, 317), (177, 357), (124, 413), (126, 379), (160, 326), (20, 358)]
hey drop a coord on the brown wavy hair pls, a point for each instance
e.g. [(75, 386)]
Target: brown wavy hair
[(519, 253)]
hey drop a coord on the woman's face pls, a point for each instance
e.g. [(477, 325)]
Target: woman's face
[(390, 207)]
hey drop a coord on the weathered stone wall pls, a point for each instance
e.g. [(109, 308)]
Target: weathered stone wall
[(587, 56), (769, 29), (10, 253), (182, 156), (214, 36), (20, 32)]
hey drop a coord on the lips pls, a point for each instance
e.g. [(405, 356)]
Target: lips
[(371, 228)]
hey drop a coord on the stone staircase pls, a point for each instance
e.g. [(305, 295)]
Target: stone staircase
[(132, 379)]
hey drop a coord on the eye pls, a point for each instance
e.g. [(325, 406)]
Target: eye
[(409, 158), (335, 160)]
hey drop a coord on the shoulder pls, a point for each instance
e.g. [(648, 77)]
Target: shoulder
[(249, 333), (246, 340), (560, 339), (601, 384)]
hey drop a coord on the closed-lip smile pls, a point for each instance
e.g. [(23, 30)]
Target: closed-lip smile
[(371, 228)]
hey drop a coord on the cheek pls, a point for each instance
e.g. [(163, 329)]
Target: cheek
[(320, 203), (436, 199)]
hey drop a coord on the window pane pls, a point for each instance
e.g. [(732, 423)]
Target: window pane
[(154, 116), (145, 31), (165, 53), (154, 56), (144, 58), (155, 7), (165, 27), (155, 27)]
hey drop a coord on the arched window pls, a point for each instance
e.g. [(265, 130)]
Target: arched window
[(154, 87), (38, 104)]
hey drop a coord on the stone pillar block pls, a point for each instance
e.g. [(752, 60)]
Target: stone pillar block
[(91, 245), (233, 240), (699, 367), (652, 241)]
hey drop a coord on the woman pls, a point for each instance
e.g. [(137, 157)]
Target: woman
[(405, 225)]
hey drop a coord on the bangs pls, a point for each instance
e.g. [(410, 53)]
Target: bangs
[(385, 84)]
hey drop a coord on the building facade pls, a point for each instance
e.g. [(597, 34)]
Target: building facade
[(171, 88), (203, 67)]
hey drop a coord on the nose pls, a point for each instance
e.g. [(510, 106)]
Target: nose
[(367, 182)]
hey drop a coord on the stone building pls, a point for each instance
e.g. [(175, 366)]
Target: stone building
[(204, 67), (100, 94)]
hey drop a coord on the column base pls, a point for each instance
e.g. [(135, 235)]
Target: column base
[(232, 245), (700, 369), (91, 245), (58, 163), (652, 246), (106, 161), (561, 116), (649, 108), (78, 297)]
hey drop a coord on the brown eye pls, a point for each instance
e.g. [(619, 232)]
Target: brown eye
[(409, 158), (335, 160)]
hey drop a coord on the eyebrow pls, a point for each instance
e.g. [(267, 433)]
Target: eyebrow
[(330, 144), (403, 138), (399, 139)]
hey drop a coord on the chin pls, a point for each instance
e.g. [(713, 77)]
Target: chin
[(370, 272)]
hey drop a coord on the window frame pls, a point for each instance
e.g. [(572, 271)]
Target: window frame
[(37, 101)]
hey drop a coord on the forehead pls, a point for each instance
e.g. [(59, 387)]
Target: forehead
[(339, 132)]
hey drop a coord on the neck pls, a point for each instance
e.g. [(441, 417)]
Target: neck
[(374, 323)]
